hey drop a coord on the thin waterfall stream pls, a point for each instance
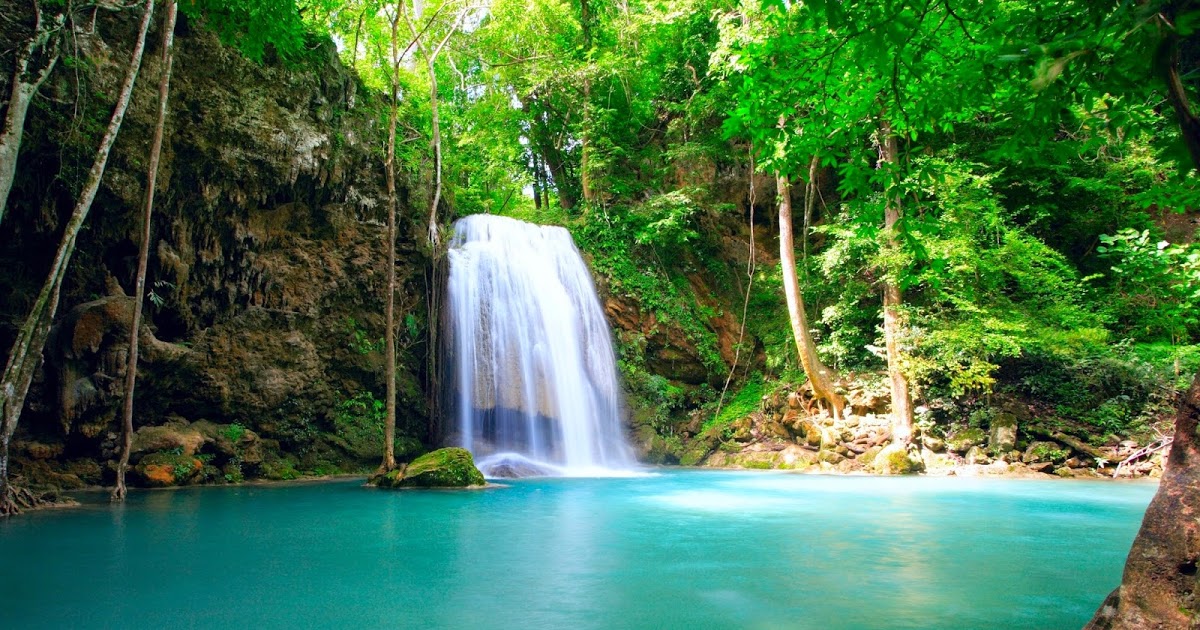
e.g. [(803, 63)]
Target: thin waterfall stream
[(534, 388)]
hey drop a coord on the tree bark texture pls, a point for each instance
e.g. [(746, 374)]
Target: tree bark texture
[(818, 375), (1159, 587), (25, 84), (389, 313), (893, 303), (31, 338), (139, 290)]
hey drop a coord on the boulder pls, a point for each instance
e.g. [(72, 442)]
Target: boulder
[(1003, 435), (962, 440), (168, 469), (444, 468), (895, 460), (1045, 452), (978, 456)]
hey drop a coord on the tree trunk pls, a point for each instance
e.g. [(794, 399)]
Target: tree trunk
[(1159, 587), (1166, 60), (389, 316), (24, 86), (27, 350), (585, 146), (164, 87), (552, 157), (585, 140), (437, 154), (893, 303), (818, 375)]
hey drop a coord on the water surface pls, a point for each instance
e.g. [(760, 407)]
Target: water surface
[(682, 549)]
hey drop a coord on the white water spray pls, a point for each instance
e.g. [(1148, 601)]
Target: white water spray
[(535, 387)]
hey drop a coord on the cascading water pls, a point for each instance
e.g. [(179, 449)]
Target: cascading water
[(534, 387)]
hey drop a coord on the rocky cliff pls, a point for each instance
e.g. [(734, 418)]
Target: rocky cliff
[(262, 352)]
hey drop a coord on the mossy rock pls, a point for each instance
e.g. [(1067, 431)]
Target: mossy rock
[(168, 469), (962, 441), (444, 468), (895, 460)]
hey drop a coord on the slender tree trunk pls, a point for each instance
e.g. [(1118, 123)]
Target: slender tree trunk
[(893, 304), (585, 139), (31, 338), (537, 182), (164, 87), (437, 154), (810, 200), (25, 85), (1167, 61), (585, 147), (389, 317), (818, 375)]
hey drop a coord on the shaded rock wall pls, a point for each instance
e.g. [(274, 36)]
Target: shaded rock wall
[(266, 262)]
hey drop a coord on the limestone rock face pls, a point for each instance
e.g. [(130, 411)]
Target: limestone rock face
[(444, 468)]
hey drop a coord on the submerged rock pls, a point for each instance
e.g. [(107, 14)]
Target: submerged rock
[(444, 468)]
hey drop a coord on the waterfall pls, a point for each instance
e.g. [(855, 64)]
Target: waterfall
[(534, 386)]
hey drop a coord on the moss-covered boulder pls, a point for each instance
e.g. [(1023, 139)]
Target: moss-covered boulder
[(962, 440), (168, 469), (1003, 435), (894, 459), (443, 468)]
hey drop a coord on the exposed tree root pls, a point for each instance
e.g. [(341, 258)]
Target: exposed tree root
[(17, 500)]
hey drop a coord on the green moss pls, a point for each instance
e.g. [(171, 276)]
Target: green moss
[(443, 468), (745, 402), (1046, 452), (894, 460), (965, 439)]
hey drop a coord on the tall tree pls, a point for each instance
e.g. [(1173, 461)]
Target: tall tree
[(139, 285), (893, 300), (430, 51), (35, 61), (820, 377), (389, 427), (26, 352)]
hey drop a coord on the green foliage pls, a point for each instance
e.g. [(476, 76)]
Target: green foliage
[(746, 401), (638, 271), (650, 391), (361, 417), (361, 341), (1121, 390), (234, 432), (256, 26), (1157, 285)]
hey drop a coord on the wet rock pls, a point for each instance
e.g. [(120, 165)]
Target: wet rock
[(933, 442)]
